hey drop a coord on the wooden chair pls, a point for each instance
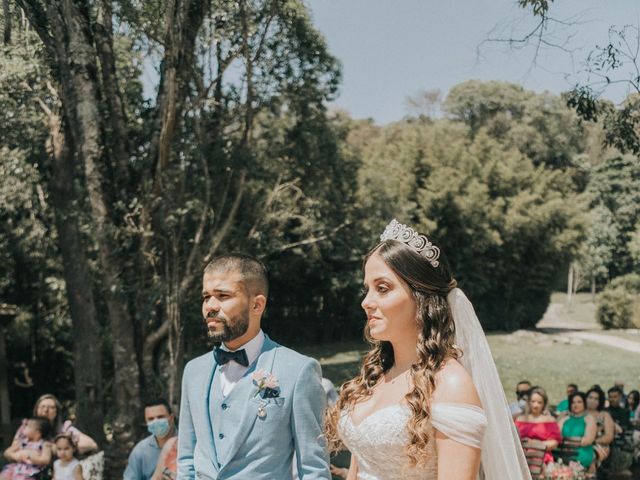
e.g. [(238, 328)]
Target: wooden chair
[(534, 451), (567, 450)]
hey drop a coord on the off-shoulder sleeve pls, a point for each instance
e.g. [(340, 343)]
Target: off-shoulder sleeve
[(463, 423), (554, 432)]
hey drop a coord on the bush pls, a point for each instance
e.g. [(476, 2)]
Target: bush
[(619, 303)]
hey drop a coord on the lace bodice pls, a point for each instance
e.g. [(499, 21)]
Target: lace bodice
[(379, 441)]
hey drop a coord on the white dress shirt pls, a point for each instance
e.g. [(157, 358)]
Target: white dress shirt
[(231, 372)]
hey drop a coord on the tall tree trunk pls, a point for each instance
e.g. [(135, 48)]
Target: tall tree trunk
[(79, 285), (570, 284), (6, 11), (119, 144), (83, 109)]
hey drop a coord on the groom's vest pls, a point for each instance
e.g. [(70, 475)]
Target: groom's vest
[(226, 415)]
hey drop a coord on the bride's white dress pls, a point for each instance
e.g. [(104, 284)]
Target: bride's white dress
[(379, 441)]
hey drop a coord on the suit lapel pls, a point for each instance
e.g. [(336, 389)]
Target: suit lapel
[(245, 390), (206, 394)]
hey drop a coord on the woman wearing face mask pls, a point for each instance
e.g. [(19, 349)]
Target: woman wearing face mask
[(144, 457), (538, 424)]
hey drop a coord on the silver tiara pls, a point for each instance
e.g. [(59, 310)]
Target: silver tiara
[(407, 235)]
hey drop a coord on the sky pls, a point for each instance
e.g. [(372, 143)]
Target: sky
[(394, 49)]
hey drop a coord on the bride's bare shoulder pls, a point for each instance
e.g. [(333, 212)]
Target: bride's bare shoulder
[(454, 385)]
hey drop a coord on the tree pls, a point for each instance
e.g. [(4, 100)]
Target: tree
[(159, 186), (499, 213)]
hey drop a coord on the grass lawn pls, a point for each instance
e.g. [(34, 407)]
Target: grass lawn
[(547, 363), (551, 365)]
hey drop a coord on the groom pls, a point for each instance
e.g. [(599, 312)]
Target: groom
[(249, 406)]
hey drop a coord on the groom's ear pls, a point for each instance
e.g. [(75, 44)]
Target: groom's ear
[(259, 303)]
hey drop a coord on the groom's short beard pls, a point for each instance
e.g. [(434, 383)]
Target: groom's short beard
[(230, 329)]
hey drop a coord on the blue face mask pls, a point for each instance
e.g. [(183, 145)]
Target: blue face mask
[(159, 427)]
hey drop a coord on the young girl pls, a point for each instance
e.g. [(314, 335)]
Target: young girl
[(66, 467), (31, 454)]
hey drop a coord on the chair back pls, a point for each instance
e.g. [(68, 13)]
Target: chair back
[(534, 451), (567, 450)]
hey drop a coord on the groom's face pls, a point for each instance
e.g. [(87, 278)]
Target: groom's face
[(225, 305)]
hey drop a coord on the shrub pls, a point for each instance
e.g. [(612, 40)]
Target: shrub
[(619, 303)]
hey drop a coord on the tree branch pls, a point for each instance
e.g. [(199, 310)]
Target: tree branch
[(307, 241), (226, 227)]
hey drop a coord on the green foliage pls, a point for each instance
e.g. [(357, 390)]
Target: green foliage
[(614, 195), (507, 222), (613, 63), (619, 303), (538, 125), (30, 277)]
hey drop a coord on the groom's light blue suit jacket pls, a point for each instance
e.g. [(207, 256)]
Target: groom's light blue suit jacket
[(255, 437)]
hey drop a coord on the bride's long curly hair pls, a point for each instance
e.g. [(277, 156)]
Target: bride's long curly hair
[(429, 286)]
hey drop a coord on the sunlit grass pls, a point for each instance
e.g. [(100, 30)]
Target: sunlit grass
[(550, 361), (549, 364)]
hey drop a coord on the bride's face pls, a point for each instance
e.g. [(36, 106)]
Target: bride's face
[(389, 305)]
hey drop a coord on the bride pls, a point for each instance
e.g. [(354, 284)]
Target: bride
[(428, 403)]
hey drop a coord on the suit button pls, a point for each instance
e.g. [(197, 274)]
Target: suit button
[(225, 406), (221, 436)]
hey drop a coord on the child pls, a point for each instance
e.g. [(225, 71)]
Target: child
[(66, 467), (31, 454)]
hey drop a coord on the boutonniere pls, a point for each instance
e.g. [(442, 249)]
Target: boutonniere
[(268, 387), (267, 383)]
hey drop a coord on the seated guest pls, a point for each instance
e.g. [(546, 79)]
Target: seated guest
[(143, 459), (67, 466), (49, 407), (580, 427), (604, 423), (633, 399), (563, 406), (539, 425), (619, 414), (31, 454), (522, 392)]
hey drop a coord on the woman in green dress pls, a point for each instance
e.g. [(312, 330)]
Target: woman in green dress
[(580, 427)]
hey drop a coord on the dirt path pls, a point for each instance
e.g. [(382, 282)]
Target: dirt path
[(621, 343), (556, 322)]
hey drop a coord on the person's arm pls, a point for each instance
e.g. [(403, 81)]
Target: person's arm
[(14, 452), (456, 461), (553, 433), (160, 466), (77, 472), (591, 430), (186, 434), (609, 430), (83, 441), (41, 458), (309, 403), (353, 469)]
